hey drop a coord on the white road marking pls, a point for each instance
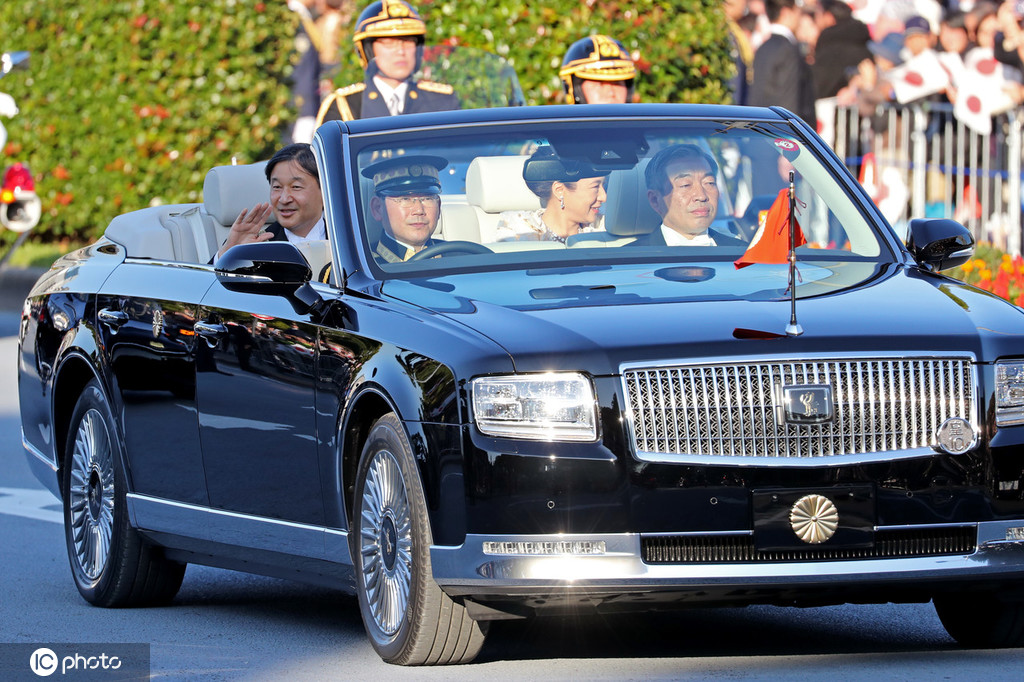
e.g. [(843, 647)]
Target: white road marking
[(31, 504)]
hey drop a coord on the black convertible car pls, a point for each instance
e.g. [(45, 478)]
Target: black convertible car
[(521, 420)]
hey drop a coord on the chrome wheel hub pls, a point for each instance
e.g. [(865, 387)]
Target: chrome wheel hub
[(385, 542), (91, 495)]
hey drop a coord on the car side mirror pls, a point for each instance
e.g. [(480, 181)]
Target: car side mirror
[(269, 269), (940, 243)]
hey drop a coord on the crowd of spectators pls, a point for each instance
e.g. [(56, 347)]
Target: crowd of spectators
[(966, 53)]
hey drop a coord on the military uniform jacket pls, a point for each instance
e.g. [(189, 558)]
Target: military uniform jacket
[(391, 251), (363, 100)]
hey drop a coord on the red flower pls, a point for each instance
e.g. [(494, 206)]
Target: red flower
[(260, 7), (61, 173), (194, 26), (140, 21)]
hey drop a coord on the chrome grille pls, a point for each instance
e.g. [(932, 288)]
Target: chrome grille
[(889, 544), (730, 410)]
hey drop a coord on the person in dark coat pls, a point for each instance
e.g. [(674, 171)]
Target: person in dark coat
[(740, 50), (782, 77), (844, 43), (682, 187), (295, 201), (305, 78), (389, 40), (407, 203)]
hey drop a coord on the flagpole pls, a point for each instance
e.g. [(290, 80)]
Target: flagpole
[(793, 328)]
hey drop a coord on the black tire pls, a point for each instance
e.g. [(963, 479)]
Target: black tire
[(981, 620), (110, 563), (409, 620)]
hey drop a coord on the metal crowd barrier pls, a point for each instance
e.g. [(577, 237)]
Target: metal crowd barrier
[(920, 161)]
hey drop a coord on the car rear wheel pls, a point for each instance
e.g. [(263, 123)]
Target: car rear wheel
[(981, 620), (110, 563), (409, 619)]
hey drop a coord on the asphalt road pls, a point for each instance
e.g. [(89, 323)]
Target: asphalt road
[(233, 626)]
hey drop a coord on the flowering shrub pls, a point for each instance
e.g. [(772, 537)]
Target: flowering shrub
[(995, 271), (130, 102)]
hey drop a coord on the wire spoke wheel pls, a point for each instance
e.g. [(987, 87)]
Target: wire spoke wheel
[(91, 495), (409, 619), (110, 563), (385, 534)]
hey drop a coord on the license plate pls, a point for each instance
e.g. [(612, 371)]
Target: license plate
[(794, 519)]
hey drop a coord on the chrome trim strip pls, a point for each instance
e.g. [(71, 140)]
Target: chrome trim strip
[(850, 388), (467, 570), (700, 533), (37, 453), (234, 528)]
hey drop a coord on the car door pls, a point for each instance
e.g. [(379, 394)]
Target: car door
[(255, 380), (145, 318)]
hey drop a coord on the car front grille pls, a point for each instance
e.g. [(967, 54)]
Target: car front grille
[(881, 405), (889, 544)]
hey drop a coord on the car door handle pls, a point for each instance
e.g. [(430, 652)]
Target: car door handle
[(212, 333), (113, 318)]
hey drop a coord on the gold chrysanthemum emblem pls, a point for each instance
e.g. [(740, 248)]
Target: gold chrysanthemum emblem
[(814, 519)]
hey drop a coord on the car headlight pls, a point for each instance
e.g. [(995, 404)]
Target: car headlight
[(1009, 392), (536, 406)]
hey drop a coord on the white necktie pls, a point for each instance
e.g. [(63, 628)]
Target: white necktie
[(395, 104)]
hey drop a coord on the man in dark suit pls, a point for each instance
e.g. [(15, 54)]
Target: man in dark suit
[(406, 202), (389, 40), (295, 201), (782, 77), (682, 187)]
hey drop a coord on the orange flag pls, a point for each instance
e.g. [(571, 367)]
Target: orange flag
[(771, 243)]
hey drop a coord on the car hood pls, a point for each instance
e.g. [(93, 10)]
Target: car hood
[(598, 319)]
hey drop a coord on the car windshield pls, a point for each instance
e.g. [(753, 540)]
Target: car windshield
[(679, 198)]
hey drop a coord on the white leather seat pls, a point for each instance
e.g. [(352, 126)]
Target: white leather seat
[(227, 191), (495, 184)]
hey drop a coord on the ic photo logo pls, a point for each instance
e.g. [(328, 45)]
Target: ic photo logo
[(44, 662)]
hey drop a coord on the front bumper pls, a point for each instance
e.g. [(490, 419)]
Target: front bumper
[(468, 571)]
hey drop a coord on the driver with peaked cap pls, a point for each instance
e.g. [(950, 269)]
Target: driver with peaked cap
[(389, 39), (597, 70), (406, 201)]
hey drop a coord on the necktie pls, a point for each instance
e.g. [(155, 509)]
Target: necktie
[(395, 104)]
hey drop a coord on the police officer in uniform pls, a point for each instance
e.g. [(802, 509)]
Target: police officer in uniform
[(406, 202), (597, 70), (389, 40)]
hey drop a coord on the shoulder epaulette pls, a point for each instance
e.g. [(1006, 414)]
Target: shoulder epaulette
[(350, 89), (431, 86)]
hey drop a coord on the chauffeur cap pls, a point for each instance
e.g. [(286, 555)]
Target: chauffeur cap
[(414, 174)]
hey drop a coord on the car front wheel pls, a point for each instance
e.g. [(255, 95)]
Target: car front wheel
[(409, 619), (110, 563), (981, 620)]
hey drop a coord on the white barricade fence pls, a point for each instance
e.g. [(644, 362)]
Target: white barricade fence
[(919, 161)]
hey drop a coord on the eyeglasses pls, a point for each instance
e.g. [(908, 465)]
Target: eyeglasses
[(407, 201)]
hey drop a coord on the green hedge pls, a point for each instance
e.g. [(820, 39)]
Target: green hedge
[(128, 104)]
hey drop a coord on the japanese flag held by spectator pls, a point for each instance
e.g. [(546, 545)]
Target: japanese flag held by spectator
[(981, 92), (919, 77), (771, 242), (954, 65)]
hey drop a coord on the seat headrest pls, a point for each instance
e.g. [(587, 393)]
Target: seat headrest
[(495, 184), (229, 189), (627, 212)]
